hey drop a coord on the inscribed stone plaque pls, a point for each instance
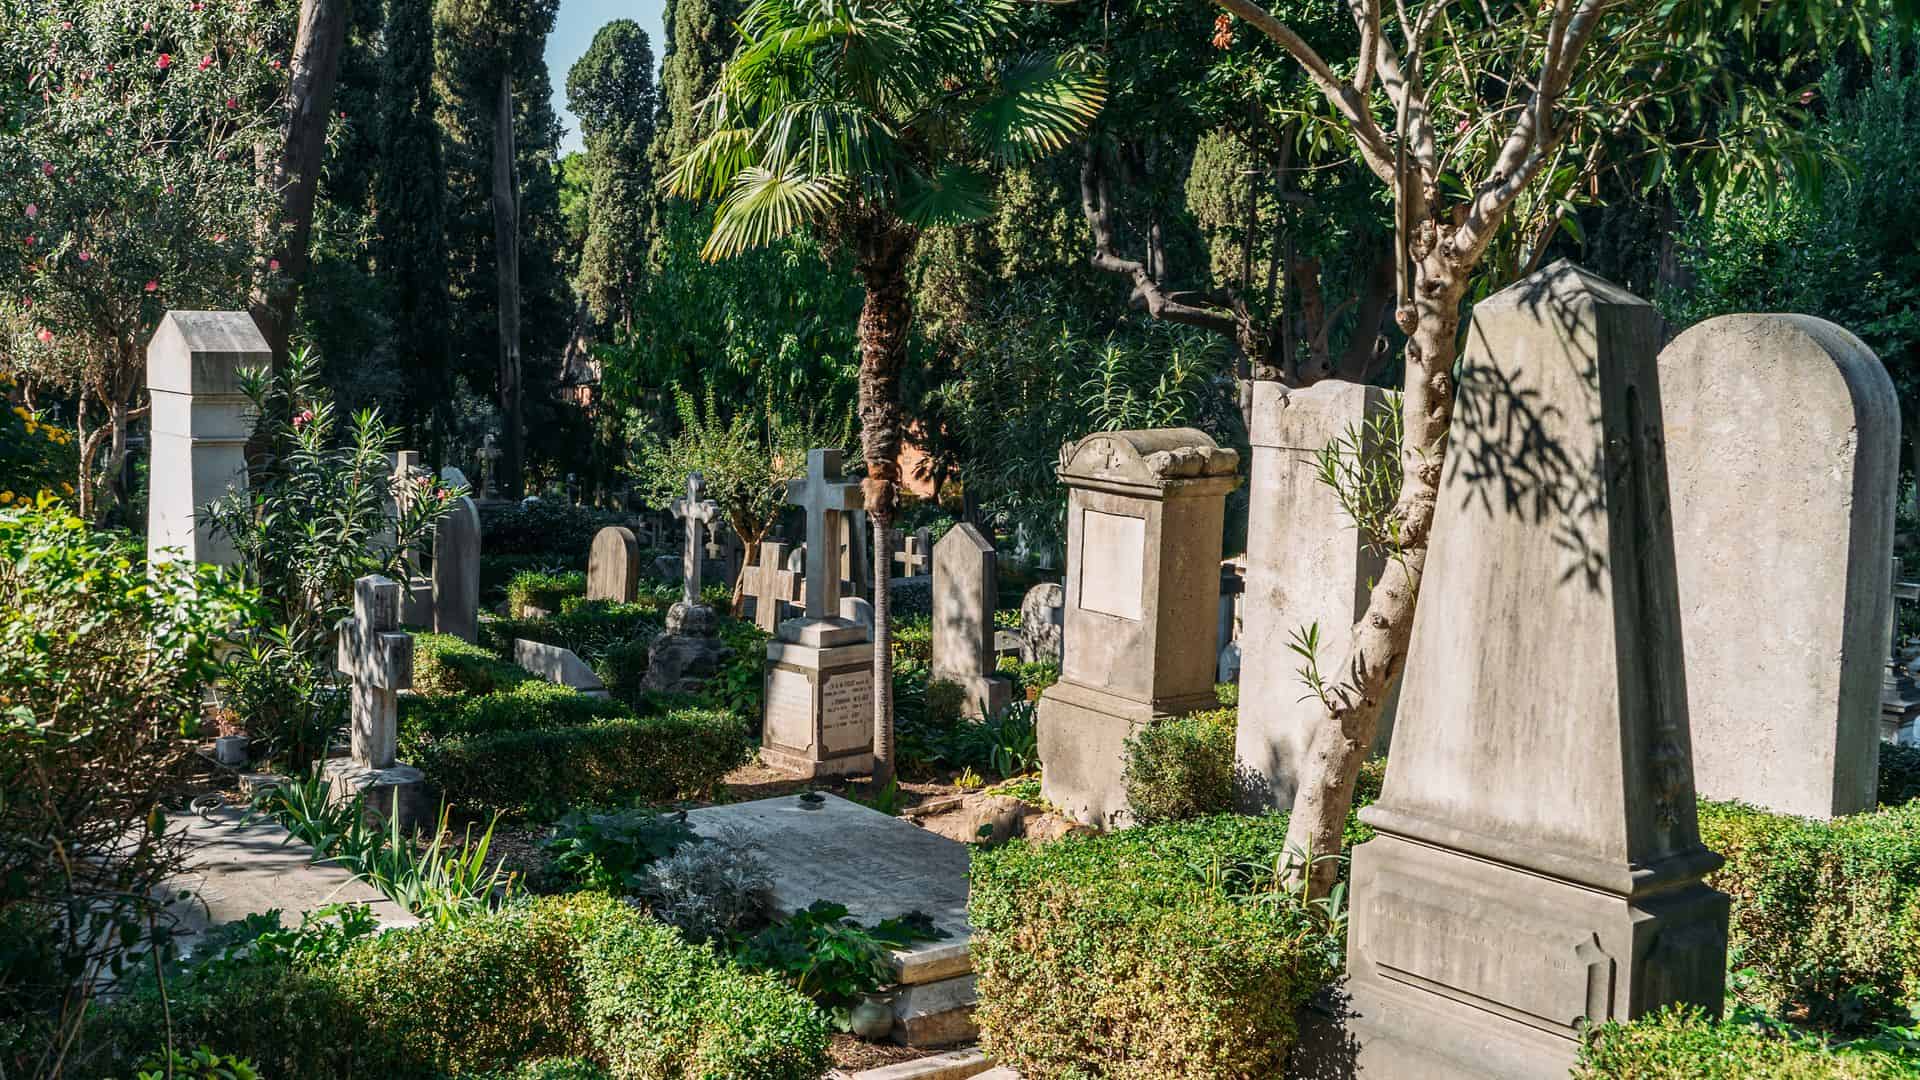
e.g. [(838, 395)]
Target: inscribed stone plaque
[(1113, 552), (790, 709), (846, 711)]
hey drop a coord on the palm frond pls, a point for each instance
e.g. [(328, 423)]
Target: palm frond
[(762, 206), (709, 168), (1041, 103), (954, 195)]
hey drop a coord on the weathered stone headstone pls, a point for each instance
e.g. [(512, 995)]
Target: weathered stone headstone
[(772, 586), (409, 479), (696, 513), (377, 656), (201, 422), (1145, 517), (819, 688), (1043, 613), (613, 565), (1537, 864), (965, 583), (490, 456), (689, 651), (557, 665), (1783, 446), (456, 565), (914, 552), (1306, 564), (856, 563), (857, 610)]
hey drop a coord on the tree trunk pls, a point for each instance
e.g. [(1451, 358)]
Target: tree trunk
[(314, 71), (506, 248), (883, 251), (1377, 644)]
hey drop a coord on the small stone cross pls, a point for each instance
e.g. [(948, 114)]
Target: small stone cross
[(824, 495), (915, 552), (697, 513), (489, 454), (379, 658), (771, 584)]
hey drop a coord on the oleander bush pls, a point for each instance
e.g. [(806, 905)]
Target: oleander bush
[(614, 760), (1826, 914), (1161, 951), (1183, 767), (444, 664), (1683, 1044)]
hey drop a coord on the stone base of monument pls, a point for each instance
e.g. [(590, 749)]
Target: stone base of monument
[(1433, 994), (399, 789), (416, 601), (688, 652), (819, 699), (879, 867), (1083, 735), (985, 695)]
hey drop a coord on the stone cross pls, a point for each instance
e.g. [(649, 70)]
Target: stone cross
[(771, 584), (697, 513), (825, 496), (379, 658), (914, 552), (489, 454)]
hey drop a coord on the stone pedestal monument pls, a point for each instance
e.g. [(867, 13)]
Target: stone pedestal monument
[(378, 657), (689, 651), (819, 699), (1537, 866), (1145, 515), (965, 583), (1783, 447), (201, 421)]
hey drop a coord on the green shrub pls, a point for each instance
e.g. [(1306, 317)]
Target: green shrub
[(533, 705), (1682, 1044), (622, 668), (913, 638), (1160, 951), (543, 589), (1182, 767), (554, 530), (444, 664), (653, 759), (740, 686), (662, 1009), (589, 627), (1899, 774), (1826, 914), (1227, 694)]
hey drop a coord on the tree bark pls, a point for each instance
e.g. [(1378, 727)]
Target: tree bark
[(883, 248), (314, 71), (506, 248)]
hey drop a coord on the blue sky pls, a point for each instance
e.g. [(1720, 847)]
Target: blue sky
[(573, 31)]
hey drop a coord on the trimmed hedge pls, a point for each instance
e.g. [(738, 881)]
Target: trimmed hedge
[(588, 627), (1682, 1044), (1183, 767), (543, 589), (546, 527), (1154, 952), (532, 705), (654, 759), (1826, 914), (444, 664)]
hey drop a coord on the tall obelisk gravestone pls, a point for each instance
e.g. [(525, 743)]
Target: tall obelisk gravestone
[(1538, 864), (201, 421), (819, 699)]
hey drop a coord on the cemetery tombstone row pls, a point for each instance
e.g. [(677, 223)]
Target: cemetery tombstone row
[(1145, 518), (1537, 865), (613, 565), (1783, 441), (965, 585), (456, 565), (819, 675), (200, 422)]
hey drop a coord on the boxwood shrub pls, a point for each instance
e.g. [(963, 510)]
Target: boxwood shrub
[(1826, 914), (531, 705), (659, 758), (444, 664), (543, 589), (1683, 1044), (1183, 767), (588, 627), (1155, 952)]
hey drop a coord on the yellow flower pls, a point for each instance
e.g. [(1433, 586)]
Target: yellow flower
[(5, 497), (21, 412), (66, 487), (32, 427)]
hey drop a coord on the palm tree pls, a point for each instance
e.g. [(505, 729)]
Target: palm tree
[(875, 120)]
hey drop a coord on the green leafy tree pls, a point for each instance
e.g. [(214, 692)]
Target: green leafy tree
[(611, 90), (127, 186), (700, 36), (874, 121)]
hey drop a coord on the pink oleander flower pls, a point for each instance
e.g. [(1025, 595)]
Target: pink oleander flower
[(46, 168), (273, 265), (33, 211), (206, 62), (45, 335), (165, 61), (153, 286), (303, 419), (86, 256)]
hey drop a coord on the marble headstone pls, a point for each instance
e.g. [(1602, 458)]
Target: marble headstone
[(965, 583)]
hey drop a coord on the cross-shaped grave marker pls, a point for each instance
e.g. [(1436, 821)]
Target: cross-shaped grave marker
[(824, 494), (697, 513), (771, 584), (379, 658), (489, 454), (914, 553)]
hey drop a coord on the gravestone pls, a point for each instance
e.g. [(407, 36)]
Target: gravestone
[(377, 656), (855, 609), (772, 586), (200, 425), (416, 597), (914, 552), (560, 666), (856, 564), (965, 584), (613, 565), (682, 657), (1145, 517), (1043, 613), (1537, 865), (819, 680), (456, 565), (490, 456), (1233, 586), (1783, 445), (1306, 564)]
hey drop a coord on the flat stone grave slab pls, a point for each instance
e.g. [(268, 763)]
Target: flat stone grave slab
[(878, 867), (234, 871)]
